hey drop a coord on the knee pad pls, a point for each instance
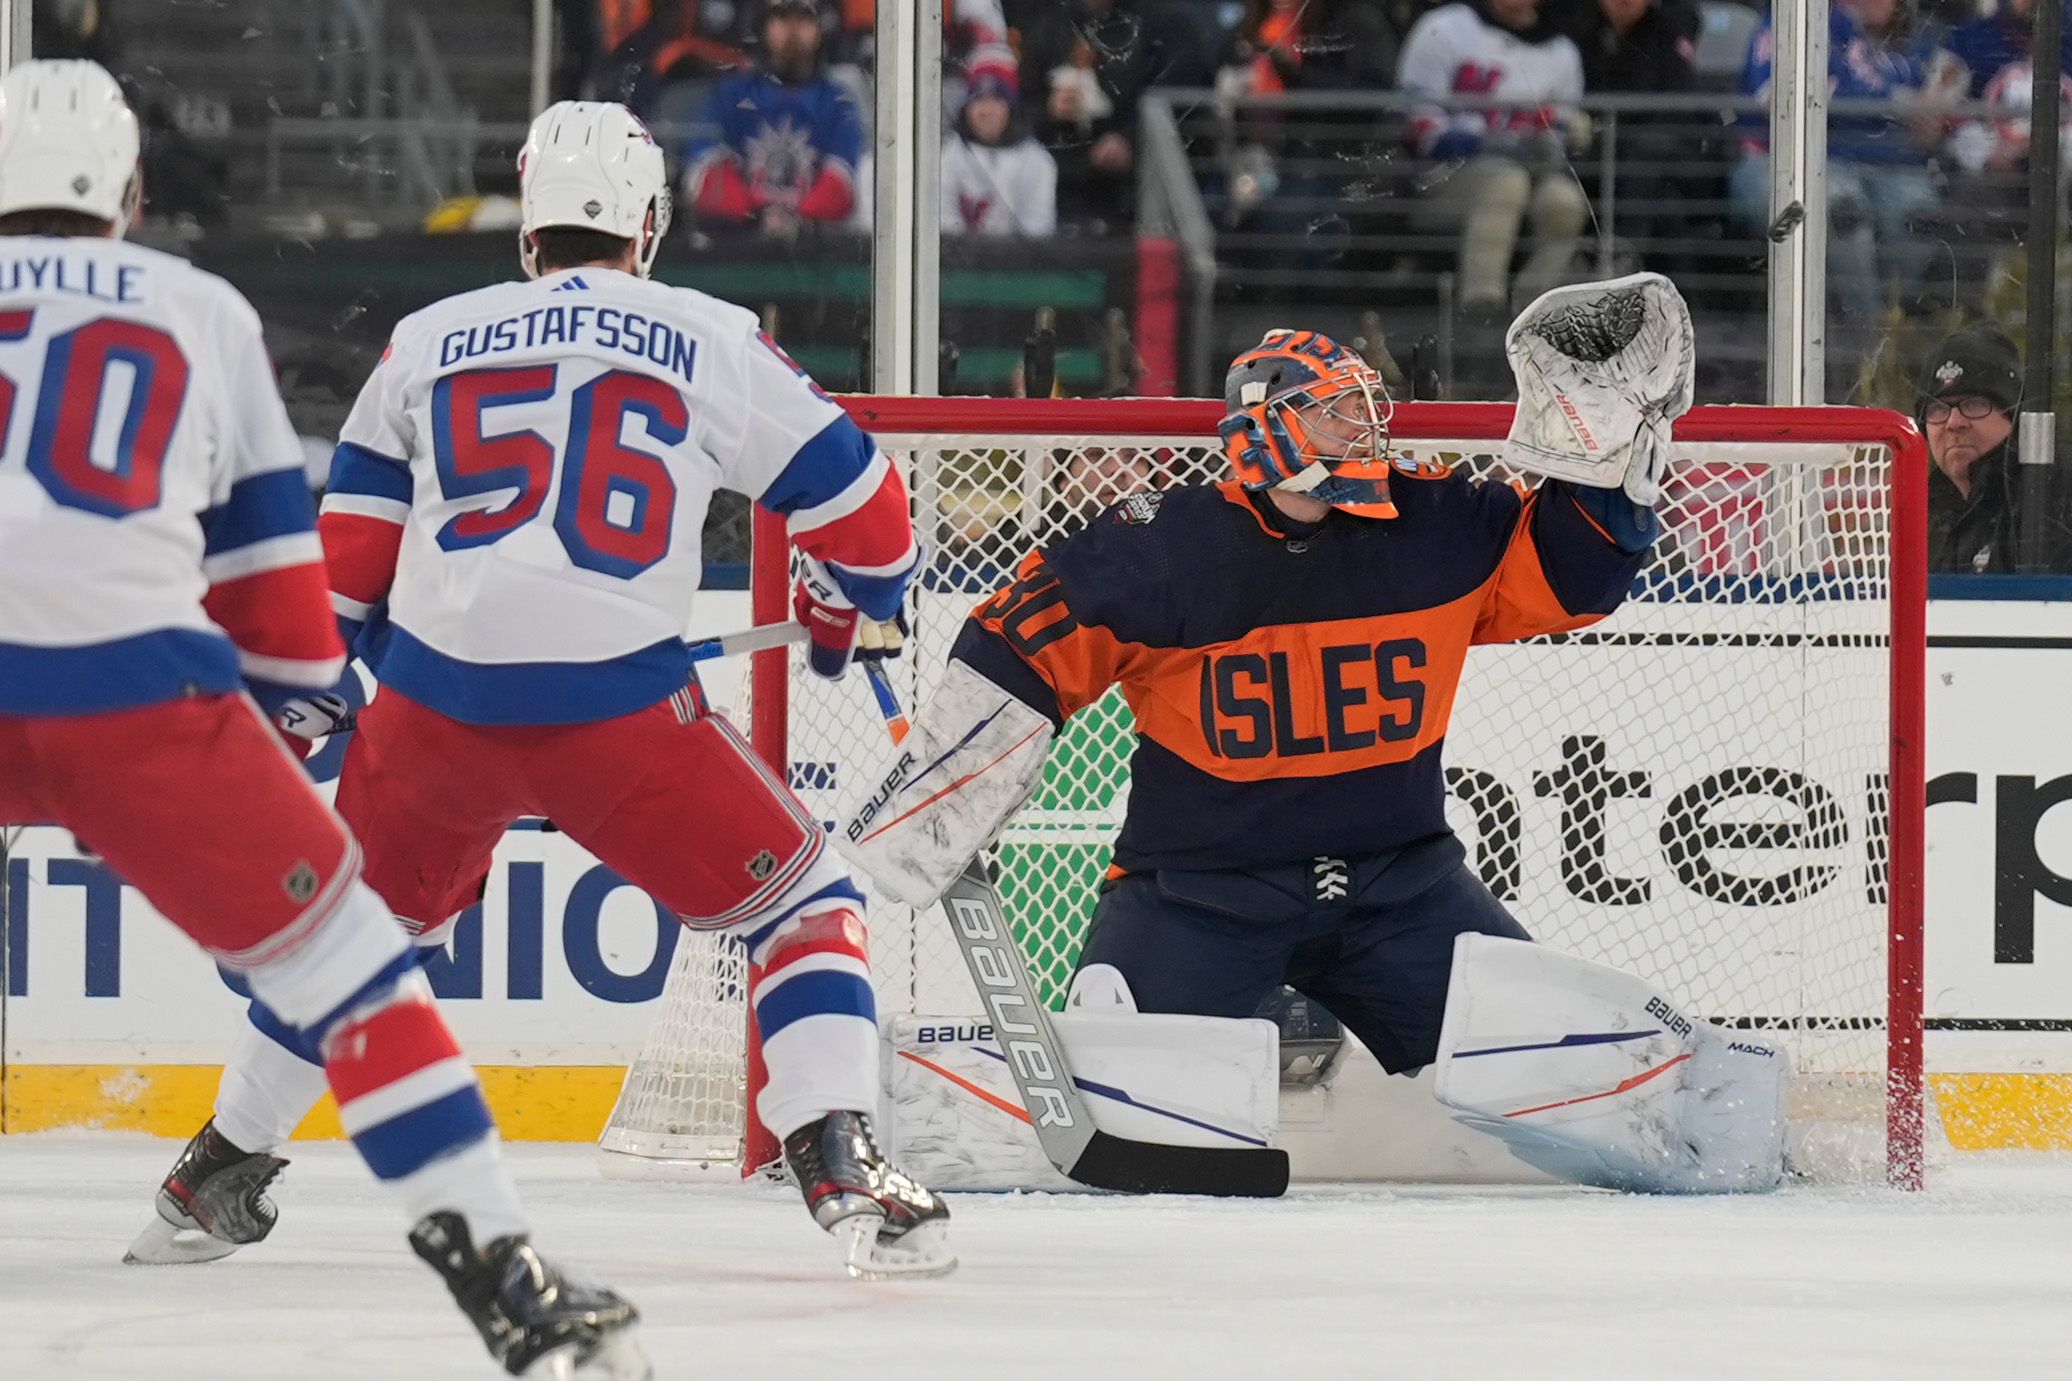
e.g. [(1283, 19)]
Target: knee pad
[(1100, 988)]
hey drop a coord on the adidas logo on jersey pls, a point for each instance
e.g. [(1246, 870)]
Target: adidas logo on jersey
[(1331, 879)]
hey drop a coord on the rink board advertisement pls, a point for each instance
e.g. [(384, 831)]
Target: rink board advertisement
[(112, 1019)]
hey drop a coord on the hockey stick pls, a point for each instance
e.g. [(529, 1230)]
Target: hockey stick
[(1063, 1124), (755, 639)]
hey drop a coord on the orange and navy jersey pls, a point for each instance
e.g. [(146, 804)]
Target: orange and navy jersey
[(1291, 687)]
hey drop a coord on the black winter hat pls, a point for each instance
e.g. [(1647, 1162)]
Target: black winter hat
[(1977, 360)]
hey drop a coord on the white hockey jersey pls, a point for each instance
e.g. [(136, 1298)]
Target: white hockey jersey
[(1009, 189), (520, 488), (1454, 51), (156, 531)]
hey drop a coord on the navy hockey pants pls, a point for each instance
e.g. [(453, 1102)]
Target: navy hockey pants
[(1370, 939)]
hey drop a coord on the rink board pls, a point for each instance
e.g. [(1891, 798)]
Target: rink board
[(113, 1020)]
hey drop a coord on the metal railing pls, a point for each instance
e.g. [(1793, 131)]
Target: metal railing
[(1654, 169)]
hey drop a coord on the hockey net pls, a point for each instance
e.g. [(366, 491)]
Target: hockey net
[(1719, 788)]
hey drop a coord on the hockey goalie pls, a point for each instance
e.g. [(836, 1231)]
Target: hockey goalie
[(1290, 642)]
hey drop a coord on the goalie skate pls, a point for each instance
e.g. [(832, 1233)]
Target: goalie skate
[(212, 1203), (535, 1320), (888, 1226)]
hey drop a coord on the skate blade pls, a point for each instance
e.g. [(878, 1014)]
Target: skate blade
[(618, 1357), (922, 1252), (168, 1244)]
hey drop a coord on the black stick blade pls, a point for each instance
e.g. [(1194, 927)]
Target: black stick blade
[(1143, 1167)]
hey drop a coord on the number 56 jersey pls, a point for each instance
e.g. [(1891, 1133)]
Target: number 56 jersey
[(520, 489)]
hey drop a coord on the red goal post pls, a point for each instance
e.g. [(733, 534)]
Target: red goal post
[(1798, 512)]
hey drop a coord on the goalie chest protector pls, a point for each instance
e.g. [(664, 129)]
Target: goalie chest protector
[(1291, 685)]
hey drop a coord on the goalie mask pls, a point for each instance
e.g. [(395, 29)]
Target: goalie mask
[(1309, 416)]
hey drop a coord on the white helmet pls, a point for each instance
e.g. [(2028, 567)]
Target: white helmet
[(68, 142), (593, 165)]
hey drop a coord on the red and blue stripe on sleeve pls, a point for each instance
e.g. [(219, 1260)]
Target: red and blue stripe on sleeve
[(362, 527), (265, 569), (846, 505)]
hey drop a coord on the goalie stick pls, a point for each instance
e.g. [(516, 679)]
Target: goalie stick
[(1063, 1124)]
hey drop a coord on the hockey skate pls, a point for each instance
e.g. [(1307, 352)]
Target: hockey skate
[(536, 1320), (212, 1203), (888, 1225)]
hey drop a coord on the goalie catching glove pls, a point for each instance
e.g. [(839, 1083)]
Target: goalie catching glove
[(1603, 370)]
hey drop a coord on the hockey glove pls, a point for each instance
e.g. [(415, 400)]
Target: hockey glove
[(882, 642), (316, 716), (831, 621)]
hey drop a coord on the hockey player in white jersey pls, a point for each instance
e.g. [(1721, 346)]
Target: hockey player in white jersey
[(158, 563), (513, 531)]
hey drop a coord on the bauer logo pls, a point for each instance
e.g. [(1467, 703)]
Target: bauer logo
[(1003, 985), (1678, 1024), (880, 798), (953, 1033)]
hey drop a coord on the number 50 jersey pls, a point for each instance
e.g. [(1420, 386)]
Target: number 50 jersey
[(156, 528), (523, 481)]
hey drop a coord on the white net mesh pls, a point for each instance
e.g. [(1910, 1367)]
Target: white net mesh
[(684, 1104), (1694, 790)]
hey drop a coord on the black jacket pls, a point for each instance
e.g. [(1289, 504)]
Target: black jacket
[(1659, 53), (1982, 533)]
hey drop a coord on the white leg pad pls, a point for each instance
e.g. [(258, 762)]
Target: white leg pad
[(1591, 1075)]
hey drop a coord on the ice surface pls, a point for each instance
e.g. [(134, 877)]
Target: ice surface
[(1973, 1278)]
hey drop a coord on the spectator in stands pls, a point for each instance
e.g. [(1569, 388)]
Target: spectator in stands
[(1500, 165), (1312, 45), (1970, 392), (1647, 47), (1280, 180), (1997, 38), (1633, 45), (973, 31), (1085, 66), (681, 43), (1878, 179), (996, 179), (784, 137)]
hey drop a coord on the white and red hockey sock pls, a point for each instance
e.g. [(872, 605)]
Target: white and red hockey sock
[(818, 1015), (414, 1109), (349, 989)]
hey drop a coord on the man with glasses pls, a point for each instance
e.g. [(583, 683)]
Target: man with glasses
[(1969, 394)]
